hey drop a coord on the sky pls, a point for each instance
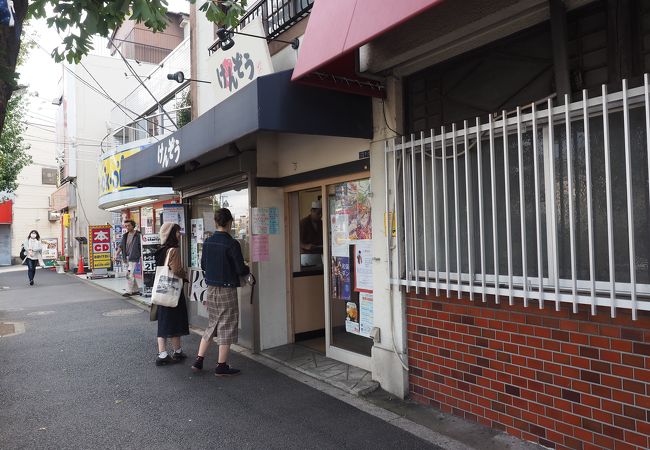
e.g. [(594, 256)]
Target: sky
[(41, 74)]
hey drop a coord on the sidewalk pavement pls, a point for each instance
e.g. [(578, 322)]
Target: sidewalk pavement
[(444, 430)]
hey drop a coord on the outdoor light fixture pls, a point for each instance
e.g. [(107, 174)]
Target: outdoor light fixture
[(179, 77), (225, 38)]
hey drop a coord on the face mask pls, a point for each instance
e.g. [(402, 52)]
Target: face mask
[(33, 236)]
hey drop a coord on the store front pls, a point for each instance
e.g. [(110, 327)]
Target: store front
[(330, 281), (244, 154)]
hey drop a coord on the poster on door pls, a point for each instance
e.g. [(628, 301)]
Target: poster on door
[(150, 244), (366, 314), (340, 283), (363, 266), (99, 246)]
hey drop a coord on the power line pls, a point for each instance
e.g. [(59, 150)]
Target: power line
[(108, 97), (142, 83)]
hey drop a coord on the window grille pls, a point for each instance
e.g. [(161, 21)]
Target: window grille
[(544, 203)]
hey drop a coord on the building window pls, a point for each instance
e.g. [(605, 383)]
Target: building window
[(49, 176), (537, 217)]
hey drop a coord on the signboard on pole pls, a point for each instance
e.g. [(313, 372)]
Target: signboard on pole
[(150, 244), (99, 249), (50, 250)]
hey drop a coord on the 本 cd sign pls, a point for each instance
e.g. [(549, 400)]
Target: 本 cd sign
[(101, 247)]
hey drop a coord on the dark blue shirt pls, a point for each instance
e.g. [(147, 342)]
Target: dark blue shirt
[(222, 261)]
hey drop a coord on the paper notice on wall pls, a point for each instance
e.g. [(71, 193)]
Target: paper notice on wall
[(208, 224), (174, 213), (363, 266), (274, 221), (366, 314), (197, 230), (260, 247), (260, 220)]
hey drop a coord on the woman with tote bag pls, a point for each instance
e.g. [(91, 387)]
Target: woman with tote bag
[(172, 321)]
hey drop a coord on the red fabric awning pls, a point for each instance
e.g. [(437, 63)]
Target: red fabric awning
[(337, 28), (6, 212)]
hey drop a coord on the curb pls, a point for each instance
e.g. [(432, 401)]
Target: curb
[(343, 387)]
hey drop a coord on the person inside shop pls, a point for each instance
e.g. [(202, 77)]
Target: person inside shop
[(223, 265), (129, 251), (172, 322), (311, 236), (32, 254)]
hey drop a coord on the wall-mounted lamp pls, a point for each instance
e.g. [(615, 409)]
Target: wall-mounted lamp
[(225, 38), (179, 77)]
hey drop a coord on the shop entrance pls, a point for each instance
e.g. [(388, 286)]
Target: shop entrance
[(306, 268), (330, 262)]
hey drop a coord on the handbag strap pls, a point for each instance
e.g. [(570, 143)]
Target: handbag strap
[(167, 258)]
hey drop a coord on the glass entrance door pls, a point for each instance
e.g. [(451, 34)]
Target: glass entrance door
[(349, 266)]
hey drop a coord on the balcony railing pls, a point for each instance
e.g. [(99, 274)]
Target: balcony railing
[(277, 17), (148, 126), (547, 204)]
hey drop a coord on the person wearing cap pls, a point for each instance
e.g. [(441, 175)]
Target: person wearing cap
[(311, 235), (223, 265), (172, 322)]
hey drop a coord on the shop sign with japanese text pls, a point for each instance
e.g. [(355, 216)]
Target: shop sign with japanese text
[(236, 67), (99, 246)]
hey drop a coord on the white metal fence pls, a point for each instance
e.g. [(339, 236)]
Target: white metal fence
[(517, 208)]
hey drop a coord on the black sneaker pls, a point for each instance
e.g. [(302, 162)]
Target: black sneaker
[(31, 283), (164, 361), (179, 356), (226, 371), (198, 365)]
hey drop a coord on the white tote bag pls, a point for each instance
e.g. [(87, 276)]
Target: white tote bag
[(167, 287)]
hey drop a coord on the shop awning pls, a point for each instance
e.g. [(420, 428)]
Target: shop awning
[(337, 28), (6, 212), (270, 103)]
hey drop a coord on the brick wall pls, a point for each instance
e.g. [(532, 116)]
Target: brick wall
[(563, 380)]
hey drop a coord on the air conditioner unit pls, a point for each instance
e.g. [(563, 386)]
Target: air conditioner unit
[(53, 216)]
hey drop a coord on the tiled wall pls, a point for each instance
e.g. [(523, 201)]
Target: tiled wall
[(563, 380)]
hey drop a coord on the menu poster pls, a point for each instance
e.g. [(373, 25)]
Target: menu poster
[(363, 266), (260, 248), (341, 285), (366, 314), (351, 318), (50, 248), (174, 213), (339, 227)]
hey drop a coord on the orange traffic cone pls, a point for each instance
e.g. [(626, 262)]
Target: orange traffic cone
[(80, 267)]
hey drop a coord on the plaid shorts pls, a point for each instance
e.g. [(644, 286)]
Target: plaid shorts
[(223, 315)]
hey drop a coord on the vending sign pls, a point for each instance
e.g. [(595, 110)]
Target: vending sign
[(99, 246)]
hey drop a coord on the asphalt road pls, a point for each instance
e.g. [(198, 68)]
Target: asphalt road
[(82, 375)]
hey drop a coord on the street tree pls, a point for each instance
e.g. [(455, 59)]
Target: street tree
[(80, 20)]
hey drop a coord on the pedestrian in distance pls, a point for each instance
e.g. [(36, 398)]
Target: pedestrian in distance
[(129, 250), (172, 322), (223, 264), (33, 251)]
